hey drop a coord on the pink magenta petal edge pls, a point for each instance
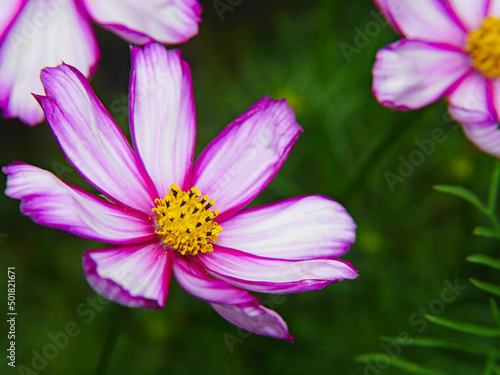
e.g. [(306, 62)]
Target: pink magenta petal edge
[(53, 203), (256, 319), (116, 271), (162, 115), (393, 92), (299, 228), (216, 171), (112, 167), (270, 275)]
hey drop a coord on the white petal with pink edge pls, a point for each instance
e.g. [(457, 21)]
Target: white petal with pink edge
[(469, 102), (132, 275), (197, 282), (235, 305), (298, 228), (470, 13), (49, 201), (269, 275), (494, 9), (255, 318), (238, 164), (426, 20), (412, 74), (383, 6), (493, 90), (162, 115), (45, 33), (92, 141), (9, 9), (486, 137), (165, 21)]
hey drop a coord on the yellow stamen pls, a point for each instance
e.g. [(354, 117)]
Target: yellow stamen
[(484, 47), (185, 221)]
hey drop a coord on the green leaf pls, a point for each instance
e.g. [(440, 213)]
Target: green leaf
[(494, 311), (484, 259), (487, 287), (495, 182), (464, 194), (490, 365), (397, 362), (486, 232), (475, 329), (461, 345)]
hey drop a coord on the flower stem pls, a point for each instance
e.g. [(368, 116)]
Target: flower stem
[(118, 316)]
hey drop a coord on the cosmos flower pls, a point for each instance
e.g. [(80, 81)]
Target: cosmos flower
[(450, 48), (165, 215), (39, 33)]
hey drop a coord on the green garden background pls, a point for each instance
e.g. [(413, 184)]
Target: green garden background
[(412, 241)]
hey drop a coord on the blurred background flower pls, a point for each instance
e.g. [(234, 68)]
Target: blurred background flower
[(449, 48), (39, 33)]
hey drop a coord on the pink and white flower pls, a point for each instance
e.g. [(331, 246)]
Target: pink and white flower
[(450, 48), (39, 33), (155, 217)]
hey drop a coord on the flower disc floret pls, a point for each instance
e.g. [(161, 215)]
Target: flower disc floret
[(484, 47), (185, 221)]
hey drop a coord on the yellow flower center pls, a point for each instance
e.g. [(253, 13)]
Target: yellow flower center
[(185, 221), (484, 47)]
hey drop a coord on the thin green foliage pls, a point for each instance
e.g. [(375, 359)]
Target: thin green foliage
[(399, 363), (475, 331)]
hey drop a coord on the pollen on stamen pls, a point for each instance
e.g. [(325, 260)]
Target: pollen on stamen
[(484, 47), (185, 222)]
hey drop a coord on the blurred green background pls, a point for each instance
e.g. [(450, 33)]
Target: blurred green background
[(410, 239)]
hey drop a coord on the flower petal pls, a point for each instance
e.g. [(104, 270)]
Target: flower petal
[(92, 141), (238, 164), (494, 10), (470, 13), (413, 74), (166, 21), (44, 34), (383, 5), (8, 12), (197, 282), (255, 318), (162, 115), (493, 93), (485, 136), (299, 228), (426, 20), (468, 102), (235, 305), (49, 201), (269, 275), (135, 275)]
